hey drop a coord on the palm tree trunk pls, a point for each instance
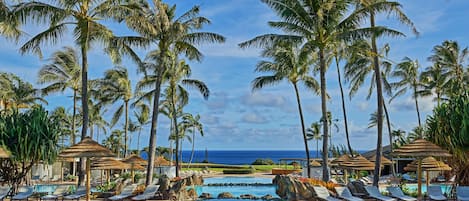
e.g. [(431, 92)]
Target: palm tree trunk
[(379, 93), (325, 157), (126, 126), (343, 107), (193, 147), (393, 169), (154, 121), (138, 141), (417, 108), (74, 113), (84, 105), (176, 131), (317, 148), (303, 129)]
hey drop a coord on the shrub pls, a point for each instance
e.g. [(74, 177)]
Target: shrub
[(238, 171), (261, 161)]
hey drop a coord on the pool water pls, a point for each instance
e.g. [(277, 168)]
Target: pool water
[(445, 188), (45, 188), (237, 190)]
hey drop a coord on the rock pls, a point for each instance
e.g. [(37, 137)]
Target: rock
[(225, 195), (267, 197), (206, 196), (192, 194), (248, 196), (194, 180), (289, 188)]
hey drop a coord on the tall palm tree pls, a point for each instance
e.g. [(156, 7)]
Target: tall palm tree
[(452, 59), (368, 9), (193, 124), (84, 17), (63, 72), (407, 73), (142, 116), (434, 80), (17, 93), (291, 62), (116, 86), (158, 24), (9, 22), (314, 133)]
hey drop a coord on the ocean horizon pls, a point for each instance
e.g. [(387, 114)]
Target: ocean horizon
[(241, 157)]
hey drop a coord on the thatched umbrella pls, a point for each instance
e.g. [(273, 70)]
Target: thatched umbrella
[(108, 164), (420, 149), (340, 159), (314, 163), (358, 163), (4, 153), (87, 148), (134, 161), (384, 160), (428, 164), (161, 161)]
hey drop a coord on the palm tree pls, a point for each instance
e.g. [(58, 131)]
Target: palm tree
[(63, 72), (369, 9), (314, 133), (407, 72), (452, 60), (114, 142), (142, 115), (400, 137), (9, 22), (116, 86), (65, 120), (434, 80), (160, 26), (193, 123), (17, 93), (84, 16), (291, 63)]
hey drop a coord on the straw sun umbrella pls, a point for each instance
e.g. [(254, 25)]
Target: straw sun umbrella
[(135, 162), (87, 148), (428, 164), (420, 149)]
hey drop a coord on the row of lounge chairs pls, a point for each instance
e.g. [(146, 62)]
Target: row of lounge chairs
[(25, 192), (434, 193)]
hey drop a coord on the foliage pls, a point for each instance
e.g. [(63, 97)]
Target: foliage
[(262, 161), (31, 137), (448, 127), (107, 187), (316, 182), (238, 171), (125, 175)]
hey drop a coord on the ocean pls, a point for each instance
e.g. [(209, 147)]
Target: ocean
[(241, 157)]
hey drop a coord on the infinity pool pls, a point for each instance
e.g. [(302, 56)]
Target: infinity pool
[(445, 188), (237, 180)]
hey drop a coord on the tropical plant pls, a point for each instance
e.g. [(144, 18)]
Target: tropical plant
[(142, 116), (114, 87), (314, 133), (368, 9), (159, 26), (434, 81), (31, 136), (289, 62), (60, 115), (9, 22), (63, 72), (448, 127), (400, 137), (193, 124), (17, 93), (408, 78), (114, 142), (85, 17)]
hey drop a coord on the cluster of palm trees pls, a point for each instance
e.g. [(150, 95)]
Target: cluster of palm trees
[(317, 33), (167, 40)]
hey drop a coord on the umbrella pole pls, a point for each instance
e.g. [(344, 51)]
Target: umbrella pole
[(88, 176), (419, 179)]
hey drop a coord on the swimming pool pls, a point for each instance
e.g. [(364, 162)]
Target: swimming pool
[(445, 188), (237, 190)]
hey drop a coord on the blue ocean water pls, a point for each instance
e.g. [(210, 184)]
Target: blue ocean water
[(232, 157)]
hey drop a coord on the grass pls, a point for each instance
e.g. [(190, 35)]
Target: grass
[(221, 167)]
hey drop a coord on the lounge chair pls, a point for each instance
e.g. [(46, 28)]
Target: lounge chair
[(397, 193), (323, 193), (24, 192), (462, 193), (79, 193), (374, 193), (126, 192), (60, 191), (344, 193), (434, 193), (55, 178), (149, 192), (4, 190)]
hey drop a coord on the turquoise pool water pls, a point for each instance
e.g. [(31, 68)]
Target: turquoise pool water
[(45, 188), (445, 188), (237, 190)]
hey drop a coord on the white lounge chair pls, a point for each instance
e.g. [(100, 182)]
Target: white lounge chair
[(397, 193), (374, 193), (323, 193), (149, 192), (79, 193), (4, 190), (24, 192), (344, 193), (462, 193), (126, 192), (60, 191), (434, 193)]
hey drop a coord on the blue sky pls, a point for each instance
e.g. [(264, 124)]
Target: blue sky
[(234, 117)]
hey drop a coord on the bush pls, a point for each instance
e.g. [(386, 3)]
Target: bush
[(261, 161), (238, 171)]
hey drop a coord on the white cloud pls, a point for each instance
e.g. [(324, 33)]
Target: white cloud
[(253, 118)]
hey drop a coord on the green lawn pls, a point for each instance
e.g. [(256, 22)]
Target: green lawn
[(221, 167)]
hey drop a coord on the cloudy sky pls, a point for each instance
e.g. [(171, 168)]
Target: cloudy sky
[(234, 117)]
